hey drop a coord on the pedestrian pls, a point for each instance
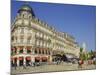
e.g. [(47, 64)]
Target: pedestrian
[(57, 62), (80, 62), (30, 63), (34, 63)]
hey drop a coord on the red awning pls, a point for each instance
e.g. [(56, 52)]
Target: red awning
[(20, 58), (44, 58), (15, 58), (28, 58), (37, 58)]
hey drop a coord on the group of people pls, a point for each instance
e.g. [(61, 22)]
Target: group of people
[(80, 63), (88, 62)]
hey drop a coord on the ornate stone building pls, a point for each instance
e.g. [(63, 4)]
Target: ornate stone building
[(33, 40)]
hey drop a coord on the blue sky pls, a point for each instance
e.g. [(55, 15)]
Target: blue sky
[(77, 20)]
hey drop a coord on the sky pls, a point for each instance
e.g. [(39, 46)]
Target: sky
[(76, 20)]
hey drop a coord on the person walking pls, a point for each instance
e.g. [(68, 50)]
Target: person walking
[(80, 62)]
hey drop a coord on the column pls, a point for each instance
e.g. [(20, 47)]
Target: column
[(45, 52), (17, 50), (24, 50), (17, 61), (24, 60), (13, 60), (33, 50), (32, 60)]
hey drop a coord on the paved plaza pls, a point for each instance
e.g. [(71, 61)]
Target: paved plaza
[(51, 68)]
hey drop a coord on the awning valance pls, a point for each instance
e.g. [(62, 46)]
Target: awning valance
[(20, 58), (28, 58)]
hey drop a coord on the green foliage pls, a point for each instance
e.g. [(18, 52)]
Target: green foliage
[(81, 50)]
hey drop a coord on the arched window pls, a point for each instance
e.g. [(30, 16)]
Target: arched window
[(22, 30), (21, 50), (49, 52), (21, 38), (12, 38), (28, 49), (39, 51), (36, 51), (43, 52), (29, 39)]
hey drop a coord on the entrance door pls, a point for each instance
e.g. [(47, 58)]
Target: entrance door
[(15, 61), (28, 61), (20, 61), (44, 59), (37, 59)]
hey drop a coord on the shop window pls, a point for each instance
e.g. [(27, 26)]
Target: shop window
[(21, 38), (29, 39)]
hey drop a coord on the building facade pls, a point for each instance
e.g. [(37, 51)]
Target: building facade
[(33, 40)]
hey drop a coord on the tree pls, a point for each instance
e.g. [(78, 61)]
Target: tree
[(83, 55), (81, 50)]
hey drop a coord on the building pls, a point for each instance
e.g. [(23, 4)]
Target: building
[(33, 40)]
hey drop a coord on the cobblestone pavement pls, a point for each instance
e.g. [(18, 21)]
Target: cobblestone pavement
[(51, 68)]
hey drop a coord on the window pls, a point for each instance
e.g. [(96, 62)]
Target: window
[(35, 51), (49, 52), (21, 51), (30, 17), (29, 39), (42, 51), (28, 51), (12, 38), (12, 52), (15, 50), (22, 30), (39, 51), (44, 36), (37, 42), (41, 35), (37, 34), (21, 38), (44, 44), (40, 43)]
